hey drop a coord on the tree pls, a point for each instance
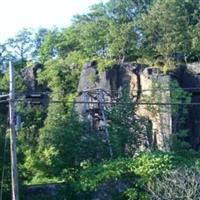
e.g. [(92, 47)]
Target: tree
[(195, 51), (123, 32), (5, 176), (48, 49), (108, 30), (2, 55), (166, 29), (91, 30), (39, 38), (68, 42), (20, 47), (127, 131)]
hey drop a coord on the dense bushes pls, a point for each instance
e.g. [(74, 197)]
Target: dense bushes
[(142, 172)]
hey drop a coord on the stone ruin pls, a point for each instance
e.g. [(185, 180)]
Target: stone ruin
[(140, 79), (30, 77), (35, 93)]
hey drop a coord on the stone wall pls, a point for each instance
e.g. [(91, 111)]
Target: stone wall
[(141, 79), (153, 86), (30, 77), (138, 79), (190, 80)]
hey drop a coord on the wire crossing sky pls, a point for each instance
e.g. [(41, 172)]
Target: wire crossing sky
[(18, 14)]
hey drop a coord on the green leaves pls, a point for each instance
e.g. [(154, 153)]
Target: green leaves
[(167, 28), (48, 49), (141, 171)]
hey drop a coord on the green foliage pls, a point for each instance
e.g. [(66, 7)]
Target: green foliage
[(92, 78), (63, 134), (126, 129), (178, 95), (4, 160), (108, 30), (60, 76), (170, 93), (104, 64), (38, 38), (167, 29), (48, 48), (120, 31), (195, 40), (20, 47), (92, 29), (141, 171), (180, 113)]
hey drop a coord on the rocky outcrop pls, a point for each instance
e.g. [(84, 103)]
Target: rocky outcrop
[(136, 77), (93, 79), (30, 77), (109, 190), (141, 79), (35, 93), (189, 79), (104, 191), (194, 68), (163, 123), (151, 83), (42, 191)]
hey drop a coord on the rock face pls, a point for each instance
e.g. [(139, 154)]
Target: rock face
[(30, 77), (190, 79), (141, 80), (153, 89), (106, 191), (42, 191), (194, 67), (35, 94), (91, 79), (97, 87), (136, 77)]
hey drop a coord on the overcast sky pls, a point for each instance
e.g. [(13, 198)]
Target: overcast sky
[(18, 14)]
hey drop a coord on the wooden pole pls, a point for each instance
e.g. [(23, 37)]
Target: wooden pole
[(14, 172)]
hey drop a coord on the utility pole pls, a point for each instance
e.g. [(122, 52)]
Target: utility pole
[(14, 172)]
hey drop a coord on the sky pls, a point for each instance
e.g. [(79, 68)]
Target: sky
[(18, 14)]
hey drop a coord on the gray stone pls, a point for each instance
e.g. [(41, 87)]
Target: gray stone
[(106, 190), (30, 77), (140, 77), (194, 67)]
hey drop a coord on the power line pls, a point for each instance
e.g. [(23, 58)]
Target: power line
[(4, 101), (105, 102), (110, 91), (4, 96), (110, 102), (117, 90)]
